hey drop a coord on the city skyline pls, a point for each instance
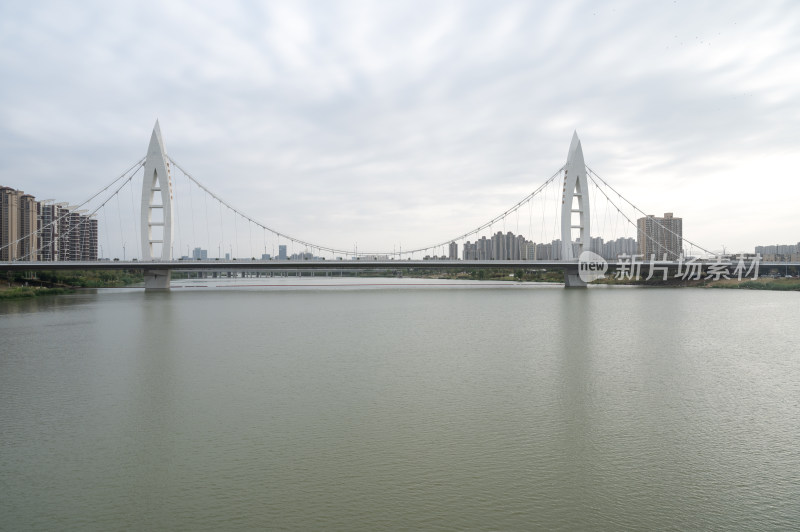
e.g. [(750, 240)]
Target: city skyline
[(34, 230), (55, 238), (407, 125)]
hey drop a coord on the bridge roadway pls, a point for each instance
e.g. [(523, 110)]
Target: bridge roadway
[(157, 273), (254, 265), (284, 265)]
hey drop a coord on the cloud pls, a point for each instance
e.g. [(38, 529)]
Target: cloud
[(414, 121)]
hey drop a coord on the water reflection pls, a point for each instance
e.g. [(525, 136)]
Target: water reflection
[(32, 305), (358, 409)]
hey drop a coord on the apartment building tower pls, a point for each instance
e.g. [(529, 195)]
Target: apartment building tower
[(31, 230), (660, 237)]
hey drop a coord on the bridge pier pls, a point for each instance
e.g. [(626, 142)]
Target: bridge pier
[(157, 280), (572, 278)]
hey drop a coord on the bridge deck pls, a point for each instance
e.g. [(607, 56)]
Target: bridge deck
[(253, 265)]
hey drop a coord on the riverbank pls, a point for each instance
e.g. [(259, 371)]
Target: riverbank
[(56, 283), (23, 292), (557, 276), (48, 283), (762, 283)]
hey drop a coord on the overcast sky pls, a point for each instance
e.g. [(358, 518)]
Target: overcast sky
[(406, 123)]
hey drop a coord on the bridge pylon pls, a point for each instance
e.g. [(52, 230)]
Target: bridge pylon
[(156, 208), (156, 219), (574, 200)]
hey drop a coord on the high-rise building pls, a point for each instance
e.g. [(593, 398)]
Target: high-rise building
[(44, 231), (484, 248), (470, 251), (28, 247), (48, 235), (282, 252), (528, 250), (199, 254), (90, 249), (9, 223), (660, 237), (453, 251), (76, 235), (19, 223), (509, 245), (520, 245), (62, 231)]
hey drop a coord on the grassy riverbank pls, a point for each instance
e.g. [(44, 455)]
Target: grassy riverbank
[(23, 292), (557, 276), (762, 283), (55, 283)]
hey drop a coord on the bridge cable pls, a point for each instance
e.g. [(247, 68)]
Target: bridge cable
[(105, 222), (81, 233), (499, 217), (191, 207), (630, 222), (55, 221), (208, 228), (176, 216), (136, 232), (347, 253), (555, 219), (544, 208), (137, 165), (647, 216), (119, 217), (596, 221), (221, 230)]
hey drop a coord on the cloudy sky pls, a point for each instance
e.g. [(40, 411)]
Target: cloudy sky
[(406, 123)]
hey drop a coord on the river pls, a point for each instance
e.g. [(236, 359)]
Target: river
[(369, 404)]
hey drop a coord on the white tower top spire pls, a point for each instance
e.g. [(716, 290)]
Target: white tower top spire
[(575, 187), (156, 220)]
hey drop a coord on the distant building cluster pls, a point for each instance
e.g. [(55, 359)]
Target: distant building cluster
[(613, 249), (516, 247), (610, 250), (780, 252), (33, 230), (199, 254), (305, 255), (499, 247), (659, 236)]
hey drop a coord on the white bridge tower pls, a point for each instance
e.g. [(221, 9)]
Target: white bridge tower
[(156, 219), (574, 204), (156, 200)]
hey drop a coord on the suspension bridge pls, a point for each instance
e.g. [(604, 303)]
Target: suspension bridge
[(569, 215)]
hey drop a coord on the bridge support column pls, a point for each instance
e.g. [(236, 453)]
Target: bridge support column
[(572, 278), (157, 280)]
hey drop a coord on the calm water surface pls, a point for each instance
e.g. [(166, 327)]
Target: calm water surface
[(414, 405)]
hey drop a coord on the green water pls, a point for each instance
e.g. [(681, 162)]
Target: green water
[(359, 405)]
